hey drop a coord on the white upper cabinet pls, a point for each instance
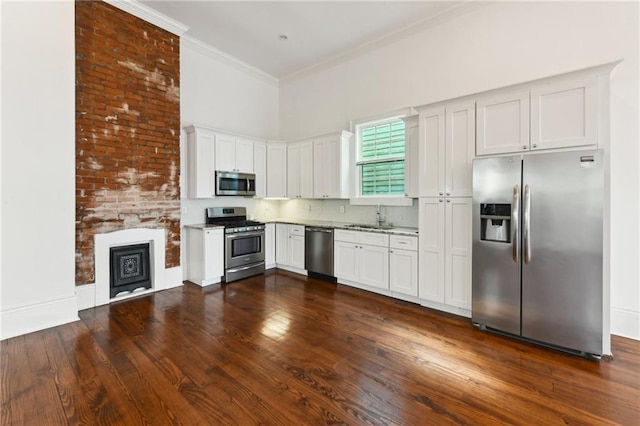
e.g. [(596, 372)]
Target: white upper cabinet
[(556, 114), (233, 154), (300, 170), (260, 168), (411, 155), (276, 170), (502, 124), (447, 149), (331, 165), (564, 114), (201, 172)]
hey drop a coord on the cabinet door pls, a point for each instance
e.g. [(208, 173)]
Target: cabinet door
[(320, 172), (244, 156), (260, 168), (213, 254), (296, 251), (431, 152), (293, 171), (345, 257), (460, 146), (431, 243), (502, 124), (403, 271), (282, 244), (270, 245), (374, 266), (458, 252), (564, 114), (225, 152), (201, 164), (411, 157), (276, 170), (306, 169)]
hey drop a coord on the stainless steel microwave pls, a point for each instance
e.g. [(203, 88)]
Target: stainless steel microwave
[(235, 183)]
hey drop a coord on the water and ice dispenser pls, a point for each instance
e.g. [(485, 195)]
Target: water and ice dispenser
[(495, 222)]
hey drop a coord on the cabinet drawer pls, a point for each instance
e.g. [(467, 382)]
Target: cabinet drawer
[(403, 242), (346, 236), (374, 239), (296, 230)]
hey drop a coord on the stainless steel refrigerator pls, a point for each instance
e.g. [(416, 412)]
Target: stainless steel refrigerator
[(538, 249)]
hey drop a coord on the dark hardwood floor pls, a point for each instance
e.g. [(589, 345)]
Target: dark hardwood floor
[(289, 350)]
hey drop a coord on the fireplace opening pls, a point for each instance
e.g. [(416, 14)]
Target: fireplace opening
[(130, 268)]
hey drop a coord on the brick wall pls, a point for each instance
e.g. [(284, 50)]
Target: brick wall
[(127, 130)]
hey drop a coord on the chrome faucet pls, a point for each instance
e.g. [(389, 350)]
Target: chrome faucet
[(379, 218)]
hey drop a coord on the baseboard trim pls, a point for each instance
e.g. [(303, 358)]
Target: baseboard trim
[(27, 319), (86, 294), (625, 323)]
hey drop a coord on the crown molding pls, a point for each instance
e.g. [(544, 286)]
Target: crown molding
[(452, 12), (219, 55), (145, 13)]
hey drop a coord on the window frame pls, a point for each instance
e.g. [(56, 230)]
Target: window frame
[(357, 162)]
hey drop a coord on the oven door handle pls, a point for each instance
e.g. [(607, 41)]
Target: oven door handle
[(245, 234)]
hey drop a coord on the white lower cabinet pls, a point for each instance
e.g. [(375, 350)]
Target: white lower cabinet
[(403, 265), (290, 247), (206, 255), (445, 253), (362, 258)]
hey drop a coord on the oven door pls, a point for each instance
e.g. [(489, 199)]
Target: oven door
[(244, 249)]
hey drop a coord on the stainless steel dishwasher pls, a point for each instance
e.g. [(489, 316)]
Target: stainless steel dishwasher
[(318, 254)]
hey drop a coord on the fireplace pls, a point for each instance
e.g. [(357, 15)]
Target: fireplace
[(130, 269), (129, 239)]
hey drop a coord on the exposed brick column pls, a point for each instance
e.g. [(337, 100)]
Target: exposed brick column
[(127, 130)]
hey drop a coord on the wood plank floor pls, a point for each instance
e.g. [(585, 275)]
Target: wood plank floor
[(290, 350)]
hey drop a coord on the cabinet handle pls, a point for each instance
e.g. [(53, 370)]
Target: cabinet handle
[(390, 251), (524, 147), (448, 193), (535, 145), (448, 200), (441, 193)]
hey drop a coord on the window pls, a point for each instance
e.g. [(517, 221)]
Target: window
[(380, 159)]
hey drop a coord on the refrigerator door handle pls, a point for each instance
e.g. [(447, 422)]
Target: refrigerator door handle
[(515, 220), (526, 234)]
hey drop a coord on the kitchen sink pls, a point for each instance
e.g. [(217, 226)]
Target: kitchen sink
[(357, 226)]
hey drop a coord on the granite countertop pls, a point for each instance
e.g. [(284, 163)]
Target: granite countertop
[(203, 226), (401, 230)]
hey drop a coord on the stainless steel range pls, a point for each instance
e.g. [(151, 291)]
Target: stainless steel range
[(243, 241)]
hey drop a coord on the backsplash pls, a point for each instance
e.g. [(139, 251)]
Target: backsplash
[(330, 210)]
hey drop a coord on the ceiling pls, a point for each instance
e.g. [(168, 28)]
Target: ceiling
[(317, 31)]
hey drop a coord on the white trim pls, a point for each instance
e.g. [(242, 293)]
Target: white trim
[(446, 308), (218, 55), (456, 10), (625, 323), (86, 295), (150, 15), (27, 319)]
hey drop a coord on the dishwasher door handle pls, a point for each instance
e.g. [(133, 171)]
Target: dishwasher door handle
[(325, 230)]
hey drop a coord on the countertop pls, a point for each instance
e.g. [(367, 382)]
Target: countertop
[(400, 230)]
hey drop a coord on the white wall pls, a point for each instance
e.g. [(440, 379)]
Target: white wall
[(38, 166), (492, 45)]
